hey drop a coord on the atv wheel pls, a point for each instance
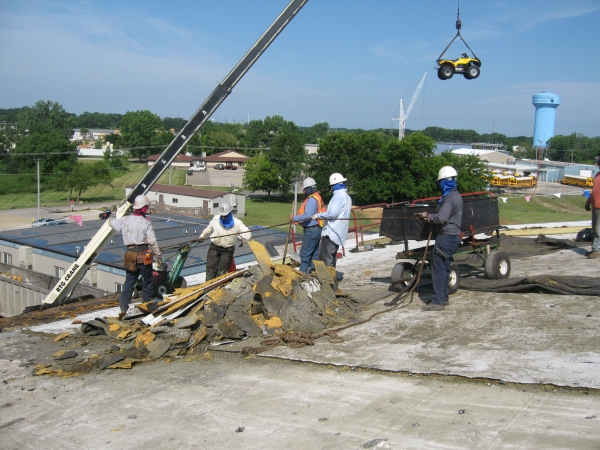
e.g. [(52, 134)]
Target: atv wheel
[(472, 72), (445, 72)]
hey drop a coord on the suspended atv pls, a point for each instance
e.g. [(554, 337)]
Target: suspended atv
[(466, 65)]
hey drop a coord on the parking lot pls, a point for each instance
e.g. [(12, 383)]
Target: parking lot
[(214, 177)]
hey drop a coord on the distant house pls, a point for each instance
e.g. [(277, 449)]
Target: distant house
[(93, 134), (207, 202), (228, 157), (180, 162)]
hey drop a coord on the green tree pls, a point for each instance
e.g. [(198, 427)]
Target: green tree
[(335, 152), (52, 148), (46, 117), (260, 133), (82, 177), (116, 159), (288, 155), (261, 175), (138, 130)]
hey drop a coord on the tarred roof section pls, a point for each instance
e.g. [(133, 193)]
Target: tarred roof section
[(178, 158), (182, 190)]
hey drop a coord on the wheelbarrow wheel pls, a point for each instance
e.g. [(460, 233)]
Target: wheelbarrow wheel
[(497, 266), (163, 289), (402, 271), (453, 279)]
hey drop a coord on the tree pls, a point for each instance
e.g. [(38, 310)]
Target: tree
[(52, 148), (287, 154), (261, 175), (138, 130), (115, 159), (82, 177), (259, 133), (47, 117)]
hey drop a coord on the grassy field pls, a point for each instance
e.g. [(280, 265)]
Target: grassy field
[(516, 210)]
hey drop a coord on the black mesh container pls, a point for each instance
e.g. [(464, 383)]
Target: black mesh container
[(480, 215)]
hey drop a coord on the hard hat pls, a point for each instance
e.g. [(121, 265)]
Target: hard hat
[(308, 182), (446, 172), (336, 178), (224, 208), (140, 202)]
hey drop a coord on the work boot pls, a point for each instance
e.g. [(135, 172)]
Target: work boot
[(593, 254), (446, 303), (122, 314), (433, 307)]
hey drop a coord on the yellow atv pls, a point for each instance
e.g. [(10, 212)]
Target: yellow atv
[(466, 65)]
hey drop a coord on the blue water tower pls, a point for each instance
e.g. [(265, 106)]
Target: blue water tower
[(545, 114)]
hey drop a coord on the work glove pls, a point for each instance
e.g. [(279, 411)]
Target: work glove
[(421, 216), (159, 261), (588, 206), (314, 217), (114, 208), (200, 239), (241, 243)]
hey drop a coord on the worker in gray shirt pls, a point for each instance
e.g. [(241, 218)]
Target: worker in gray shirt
[(448, 220), (138, 236)]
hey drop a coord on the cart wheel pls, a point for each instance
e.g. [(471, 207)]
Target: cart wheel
[(402, 270), (136, 293), (497, 266), (453, 279), (163, 289)]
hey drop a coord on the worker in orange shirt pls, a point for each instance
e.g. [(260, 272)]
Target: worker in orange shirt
[(593, 204)]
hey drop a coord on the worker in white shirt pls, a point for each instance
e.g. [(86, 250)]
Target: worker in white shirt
[(224, 230)]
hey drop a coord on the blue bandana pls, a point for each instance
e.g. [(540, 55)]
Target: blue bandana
[(446, 185), (227, 221), (338, 186)]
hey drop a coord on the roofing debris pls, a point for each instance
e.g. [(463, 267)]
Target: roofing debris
[(274, 302)]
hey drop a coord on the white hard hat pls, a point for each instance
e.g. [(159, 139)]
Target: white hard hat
[(336, 178), (308, 182), (224, 208), (446, 172), (140, 202)]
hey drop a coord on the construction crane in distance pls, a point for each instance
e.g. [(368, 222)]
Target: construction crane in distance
[(404, 115)]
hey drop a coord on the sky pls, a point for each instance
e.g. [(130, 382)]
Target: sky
[(345, 62)]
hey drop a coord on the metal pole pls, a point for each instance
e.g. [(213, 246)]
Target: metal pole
[(38, 186)]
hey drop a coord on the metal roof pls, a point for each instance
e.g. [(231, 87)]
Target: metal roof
[(170, 230)]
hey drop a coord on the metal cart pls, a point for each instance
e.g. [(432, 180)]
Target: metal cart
[(480, 216)]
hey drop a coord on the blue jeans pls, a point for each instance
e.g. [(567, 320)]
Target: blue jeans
[(310, 248), (130, 281), (441, 269), (596, 229)]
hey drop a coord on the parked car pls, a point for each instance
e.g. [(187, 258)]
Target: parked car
[(220, 166), (230, 167), (197, 169), (104, 214), (45, 222)]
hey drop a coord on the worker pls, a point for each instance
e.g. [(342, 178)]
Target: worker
[(593, 203), (335, 231), (448, 220), (225, 230), (313, 204), (138, 236)]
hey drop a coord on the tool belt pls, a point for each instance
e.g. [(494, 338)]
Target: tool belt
[(137, 254)]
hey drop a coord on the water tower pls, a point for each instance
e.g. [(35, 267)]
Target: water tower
[(545, 114)]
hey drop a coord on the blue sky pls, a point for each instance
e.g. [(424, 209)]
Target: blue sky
[(345, 62)]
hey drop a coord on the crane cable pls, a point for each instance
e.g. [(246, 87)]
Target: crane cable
[(458, 27)]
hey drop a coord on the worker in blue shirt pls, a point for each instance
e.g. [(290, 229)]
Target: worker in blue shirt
[(313, 204), (335, 230)]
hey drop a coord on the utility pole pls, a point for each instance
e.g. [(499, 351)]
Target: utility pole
[(37, 161)]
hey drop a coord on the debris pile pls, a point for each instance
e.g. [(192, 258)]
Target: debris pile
[(264, 300)]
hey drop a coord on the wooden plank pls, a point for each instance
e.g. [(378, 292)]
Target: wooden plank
[(262, 256)]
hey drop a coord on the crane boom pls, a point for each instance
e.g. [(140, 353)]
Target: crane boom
[(404, 115), (78, 269)]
